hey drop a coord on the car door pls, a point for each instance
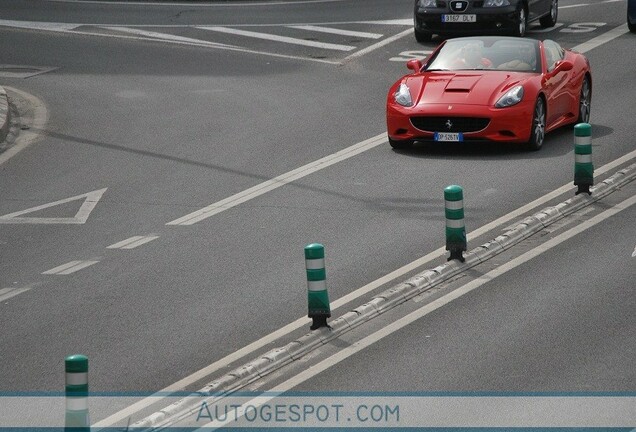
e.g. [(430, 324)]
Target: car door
[(556, 87)]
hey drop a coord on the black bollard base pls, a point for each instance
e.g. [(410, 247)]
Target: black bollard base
[(319, 321), (583, 189), (456, 254)]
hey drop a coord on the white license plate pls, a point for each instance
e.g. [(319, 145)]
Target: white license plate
[(448, 136), (459, 18)]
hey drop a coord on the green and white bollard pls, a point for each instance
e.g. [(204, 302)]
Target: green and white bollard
[(76, 418), (583, 167), (318, 298), (455, 228)]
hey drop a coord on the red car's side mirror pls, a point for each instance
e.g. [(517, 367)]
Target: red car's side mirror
[(560, 66), (415, 65)]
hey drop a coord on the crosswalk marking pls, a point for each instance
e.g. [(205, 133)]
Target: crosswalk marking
[(69, 268), (132, 242), (276, 38), (164, 36), (337, 31)]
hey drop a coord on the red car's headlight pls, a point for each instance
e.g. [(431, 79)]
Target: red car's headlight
[(511, 97), (403, 96)]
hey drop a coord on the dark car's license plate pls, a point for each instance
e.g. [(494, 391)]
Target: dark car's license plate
[(459, 18)]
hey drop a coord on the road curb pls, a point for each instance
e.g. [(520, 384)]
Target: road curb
[(5, 114), (400, 293)]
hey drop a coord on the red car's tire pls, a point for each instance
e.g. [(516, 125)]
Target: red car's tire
[(585, 101), (537, 133)]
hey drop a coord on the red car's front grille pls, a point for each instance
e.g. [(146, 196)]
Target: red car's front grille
[(449, 124)]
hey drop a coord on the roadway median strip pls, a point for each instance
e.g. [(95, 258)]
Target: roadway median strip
[(400, 293)]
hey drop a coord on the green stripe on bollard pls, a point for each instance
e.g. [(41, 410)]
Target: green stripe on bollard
[(316, 274), (453, 193), (582, 130), (314, 251)]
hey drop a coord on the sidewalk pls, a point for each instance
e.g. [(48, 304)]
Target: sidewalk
[(5, 113)]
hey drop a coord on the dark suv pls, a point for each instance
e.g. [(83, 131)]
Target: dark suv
[(481, 16)]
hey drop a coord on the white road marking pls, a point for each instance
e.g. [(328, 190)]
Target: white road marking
[(39, 25), (337, 31), (90, 201), (539, 29), (164, 36), (436, 304), (284, 39), (279, 181), (132, 242), (68, 268), (378, 45), (7, 293), (602, 39), (634, 253), (574, 6)]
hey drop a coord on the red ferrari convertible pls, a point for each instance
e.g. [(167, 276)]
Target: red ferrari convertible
[(498, 89)]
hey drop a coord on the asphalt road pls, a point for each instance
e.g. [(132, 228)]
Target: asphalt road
[(170, 125)]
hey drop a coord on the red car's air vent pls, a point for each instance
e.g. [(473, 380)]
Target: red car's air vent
[(449, 124)]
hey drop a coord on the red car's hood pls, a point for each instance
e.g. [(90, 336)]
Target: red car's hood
[(462, 87)]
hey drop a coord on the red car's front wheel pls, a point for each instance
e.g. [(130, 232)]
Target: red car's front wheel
[(537, 133)]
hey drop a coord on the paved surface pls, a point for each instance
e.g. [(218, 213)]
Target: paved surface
[(5, 113)]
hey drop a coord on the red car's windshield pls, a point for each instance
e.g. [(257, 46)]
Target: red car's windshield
[(509, 54)]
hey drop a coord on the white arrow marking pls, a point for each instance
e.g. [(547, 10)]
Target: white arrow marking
[(90, 201)]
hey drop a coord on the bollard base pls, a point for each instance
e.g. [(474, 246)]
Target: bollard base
[(319, 321), (583, 188), (456, 254)]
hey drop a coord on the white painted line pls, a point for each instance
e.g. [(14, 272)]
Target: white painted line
[(164, 36), (90, 201), (602, 39), (574, 6), (337, 31), (406, 22), (69, 268), (539, 29), (378, 45), (436, 304), (284, 39), (7, 293), (132, 242), (39, 25), (279, 181), (634, 253)]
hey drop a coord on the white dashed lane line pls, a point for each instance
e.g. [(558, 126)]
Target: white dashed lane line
[(132, 242), (69, 268)]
